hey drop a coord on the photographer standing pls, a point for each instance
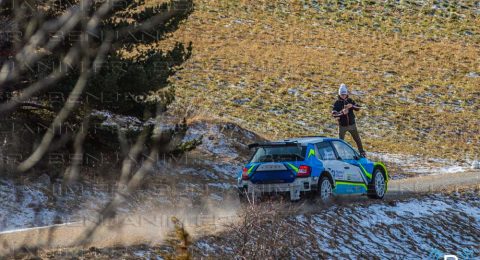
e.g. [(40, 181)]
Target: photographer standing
[(343, 111)]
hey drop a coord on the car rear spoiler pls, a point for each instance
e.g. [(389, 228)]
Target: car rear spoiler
[(272, 144)]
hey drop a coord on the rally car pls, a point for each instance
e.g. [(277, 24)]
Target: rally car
[(315, 165)]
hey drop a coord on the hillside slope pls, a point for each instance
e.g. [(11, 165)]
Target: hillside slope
[(274, 68)]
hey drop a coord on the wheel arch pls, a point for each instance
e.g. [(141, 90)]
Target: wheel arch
[(329, 175), (382, 168)]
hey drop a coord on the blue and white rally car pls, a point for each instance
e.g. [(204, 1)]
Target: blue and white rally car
[(312, 164)]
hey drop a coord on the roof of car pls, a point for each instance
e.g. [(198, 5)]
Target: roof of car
[(307, 139)]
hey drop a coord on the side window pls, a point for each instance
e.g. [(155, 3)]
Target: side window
[(344, 151), (325, 151)]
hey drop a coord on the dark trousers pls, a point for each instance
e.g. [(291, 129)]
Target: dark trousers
[(342, 130)]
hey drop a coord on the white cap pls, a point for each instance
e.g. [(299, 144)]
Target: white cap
[(342, 90)]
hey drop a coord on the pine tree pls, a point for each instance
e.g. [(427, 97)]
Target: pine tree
[(70, 53)]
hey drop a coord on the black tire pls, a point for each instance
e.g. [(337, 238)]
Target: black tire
[(375, 189), (325, 189)]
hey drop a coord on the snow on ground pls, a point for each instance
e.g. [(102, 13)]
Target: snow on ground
[(32, 205), (216, 139), (123, 122), (29, 205), (407, 229), (416, 228), (411, 164), (22, 206), (427, 227)]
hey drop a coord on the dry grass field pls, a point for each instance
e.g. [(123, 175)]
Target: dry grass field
[(274, 67)]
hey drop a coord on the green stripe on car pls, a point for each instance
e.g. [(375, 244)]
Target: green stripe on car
[(369, 175), (350, 183), (250, 170), (293, 167)]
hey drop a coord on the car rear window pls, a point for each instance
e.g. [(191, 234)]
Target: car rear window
[(279, 154)]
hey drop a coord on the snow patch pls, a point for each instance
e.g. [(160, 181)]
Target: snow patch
[(420, 165), (473, 75), (122, 122), (214, 140), (475, 165), (205, 246), (23, 206), (412, 209)]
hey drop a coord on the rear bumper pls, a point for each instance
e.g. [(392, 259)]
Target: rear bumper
[(294, 188)]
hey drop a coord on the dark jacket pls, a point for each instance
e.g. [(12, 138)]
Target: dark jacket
[(349, 118)]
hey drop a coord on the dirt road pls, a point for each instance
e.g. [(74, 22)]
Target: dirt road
[(434, 183)]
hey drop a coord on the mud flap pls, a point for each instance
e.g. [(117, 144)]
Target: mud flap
[(253, 193), (294, 192)]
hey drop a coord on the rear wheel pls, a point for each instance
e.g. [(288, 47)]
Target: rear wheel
[(378, 186), (325, 188)]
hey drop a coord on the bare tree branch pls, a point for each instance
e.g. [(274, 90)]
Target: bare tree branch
[(73, 171), (30, 53)]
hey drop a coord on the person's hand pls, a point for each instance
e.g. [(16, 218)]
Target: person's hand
[(345, 111), (349, 106)]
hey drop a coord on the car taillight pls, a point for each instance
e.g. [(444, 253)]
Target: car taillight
[(304, 171), (245, 173)]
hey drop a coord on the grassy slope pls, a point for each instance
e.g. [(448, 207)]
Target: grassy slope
[(407, 63)]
